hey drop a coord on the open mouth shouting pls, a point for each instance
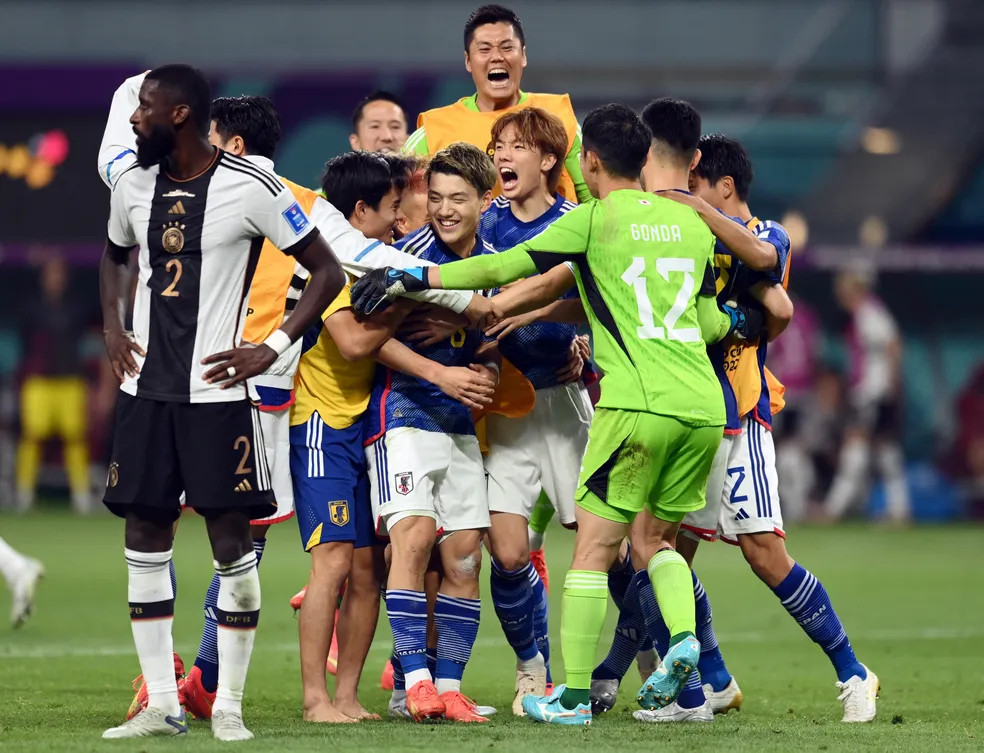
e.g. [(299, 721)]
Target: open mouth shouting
[(498, 78), (508, 177)]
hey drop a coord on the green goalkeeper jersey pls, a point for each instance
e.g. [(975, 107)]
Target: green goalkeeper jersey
[(641, 263)]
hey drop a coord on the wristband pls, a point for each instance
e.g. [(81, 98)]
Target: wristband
[(279, 341)]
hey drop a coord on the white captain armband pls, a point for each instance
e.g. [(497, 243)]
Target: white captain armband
[(279, 341)]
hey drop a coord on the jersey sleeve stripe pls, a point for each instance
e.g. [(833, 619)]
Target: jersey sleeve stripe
[(302, 244), (269, 179), (367, 249), (266, 184)]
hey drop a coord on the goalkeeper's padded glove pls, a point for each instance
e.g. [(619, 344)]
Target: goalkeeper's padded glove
[(747, 321), (374, 290)]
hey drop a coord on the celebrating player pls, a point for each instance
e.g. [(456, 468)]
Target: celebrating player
[(425, 466), (379, 124), (495, 56), (184, 421), (542, 449), (660, 396)]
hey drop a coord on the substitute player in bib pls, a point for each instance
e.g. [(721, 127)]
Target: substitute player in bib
[(425, 465), (749, 512), (495, 56), (184, 421), (659, 419), (543, 449)]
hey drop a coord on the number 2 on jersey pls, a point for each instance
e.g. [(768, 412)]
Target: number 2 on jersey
[(170, 291), (647, 329)]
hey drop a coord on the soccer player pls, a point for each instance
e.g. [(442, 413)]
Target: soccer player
[(22, 574), (495, 56), (184, 421), (425, 465), (379, 124), (543, 449), (748, 508), (659, 419)]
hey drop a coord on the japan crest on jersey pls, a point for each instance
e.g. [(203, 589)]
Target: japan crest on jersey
[(404, 483)]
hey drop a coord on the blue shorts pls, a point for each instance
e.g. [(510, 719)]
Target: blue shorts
[(331, 485)]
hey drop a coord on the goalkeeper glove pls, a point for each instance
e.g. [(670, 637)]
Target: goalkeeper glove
[(374, 290), (747, 322)]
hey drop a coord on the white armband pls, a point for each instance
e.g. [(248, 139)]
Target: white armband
[(280, 341)]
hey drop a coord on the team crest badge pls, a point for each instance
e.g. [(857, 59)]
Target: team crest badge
[(114, 474), (173, 239), (404, 483), (338, 511)]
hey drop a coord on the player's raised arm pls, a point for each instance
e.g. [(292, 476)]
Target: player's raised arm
[(118, 148)]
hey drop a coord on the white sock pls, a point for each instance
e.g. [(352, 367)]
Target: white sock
[(447, 685), (417, 675), (536, 664), (852, 473), (536, 540), (151, 616), (11, 561), (237, 612), (398, 696), (892, 466)]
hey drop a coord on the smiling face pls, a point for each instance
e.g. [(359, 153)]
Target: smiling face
[(522, 167), (495, 59), (454, 206), (378, 223)]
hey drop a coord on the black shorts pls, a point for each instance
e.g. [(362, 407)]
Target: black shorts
[(212, 451)]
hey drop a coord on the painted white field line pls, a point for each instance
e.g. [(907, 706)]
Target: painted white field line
[(57, 650)]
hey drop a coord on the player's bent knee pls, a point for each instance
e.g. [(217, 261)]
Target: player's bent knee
[(766, 554), (149, 529)]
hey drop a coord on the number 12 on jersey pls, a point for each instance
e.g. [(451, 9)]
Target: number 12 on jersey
[(635, 277)]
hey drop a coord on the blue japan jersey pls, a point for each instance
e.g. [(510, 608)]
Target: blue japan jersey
[(398, 399), (538, 350)]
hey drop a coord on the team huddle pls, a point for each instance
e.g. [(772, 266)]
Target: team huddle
[(394, 359)]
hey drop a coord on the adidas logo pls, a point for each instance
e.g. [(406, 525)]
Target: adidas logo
[(244, 486), (178, 208), (742, 515)]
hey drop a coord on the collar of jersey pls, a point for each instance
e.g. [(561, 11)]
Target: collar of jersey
[(472, 102), (265, 162), (554, 208)]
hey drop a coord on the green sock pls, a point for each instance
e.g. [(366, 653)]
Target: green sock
[(542, 514), (674, 589), (582, 618)]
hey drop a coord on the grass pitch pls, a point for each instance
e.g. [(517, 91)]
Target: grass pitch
[(910, 600)]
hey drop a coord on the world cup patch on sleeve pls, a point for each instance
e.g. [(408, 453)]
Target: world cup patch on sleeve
[(296, 218)]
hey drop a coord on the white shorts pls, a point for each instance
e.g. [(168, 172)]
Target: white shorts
[(425, 473), (743, 489), (276, 440), (542, 449)]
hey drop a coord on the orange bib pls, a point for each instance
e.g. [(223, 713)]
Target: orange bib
[(446, 125)]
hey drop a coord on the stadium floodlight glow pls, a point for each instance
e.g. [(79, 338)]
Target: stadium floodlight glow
[(797, 228), (881, 141), (873, 232)]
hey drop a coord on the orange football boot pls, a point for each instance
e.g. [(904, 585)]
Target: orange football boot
[(298, 599), (332, 666), (423, 702), (139, 702), (196, 700), (460, 708), (386, 678), (539, 563)]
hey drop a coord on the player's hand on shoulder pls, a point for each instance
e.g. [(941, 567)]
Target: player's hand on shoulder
[(232, 367), (120, 347), (473, 386), (483, 312), (510, 324), (375, 289)]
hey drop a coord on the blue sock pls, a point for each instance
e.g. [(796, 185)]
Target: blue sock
[(619, 577), (630, 632), (457, 628), (399, 679), (407, 612), (692, 695), (431, 660), (806, 600), (174, 578), (711, 666), (258, 546), (208, 649), (512, 597), (540, 614)]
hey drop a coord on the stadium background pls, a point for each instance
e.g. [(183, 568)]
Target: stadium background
[(863, 119)]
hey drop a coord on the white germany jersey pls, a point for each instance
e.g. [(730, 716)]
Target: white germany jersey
[(199, 242)]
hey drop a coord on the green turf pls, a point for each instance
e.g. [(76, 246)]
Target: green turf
[(911, 600)]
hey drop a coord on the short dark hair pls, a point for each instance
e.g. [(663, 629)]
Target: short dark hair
[(254, 119), (492, 14), (675, 125), (466, 161), (721, 157), (620, 139), (402, 168), (377, 96), (356, 176), (186, 86)]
